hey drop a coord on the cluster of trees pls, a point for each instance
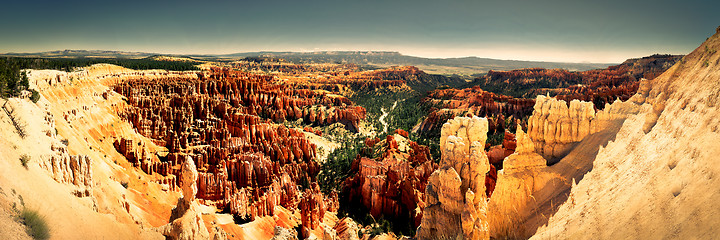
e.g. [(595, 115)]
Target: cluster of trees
[(405, 115), (337, 166), (336, 169), (13, 80)]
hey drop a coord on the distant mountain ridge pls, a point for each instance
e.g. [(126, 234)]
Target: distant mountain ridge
[(462, 66), (69, 53)]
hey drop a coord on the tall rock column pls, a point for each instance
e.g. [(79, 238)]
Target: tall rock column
[(186, 221), (456, 203)]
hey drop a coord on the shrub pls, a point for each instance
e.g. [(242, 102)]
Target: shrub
[(496, 139), (24, 159), (65, 142), (35, 224), (35, 96)]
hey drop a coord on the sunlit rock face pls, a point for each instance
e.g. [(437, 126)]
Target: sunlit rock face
[(556, 126), (456, 203)]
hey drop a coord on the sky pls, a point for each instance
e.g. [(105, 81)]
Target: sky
[(607, 31)]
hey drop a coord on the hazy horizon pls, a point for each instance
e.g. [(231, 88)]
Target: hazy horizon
[(552, 31)]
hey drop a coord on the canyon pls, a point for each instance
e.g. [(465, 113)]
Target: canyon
[(243, 150)]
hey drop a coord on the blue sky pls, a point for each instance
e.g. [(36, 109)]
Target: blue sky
[(552, 30)]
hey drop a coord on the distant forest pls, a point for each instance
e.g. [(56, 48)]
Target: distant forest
[(68, 64), (13, 80)]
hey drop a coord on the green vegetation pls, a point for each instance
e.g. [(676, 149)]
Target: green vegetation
[(408, 111), (402, 226), (337, 166), (407, 114), (35, 223), (380, 227), (496, 139), (382, 98), (12, 80), (35, 95), (24, 159)]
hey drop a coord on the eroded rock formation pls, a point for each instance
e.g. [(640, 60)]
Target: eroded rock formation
[(391, 185), (525, 172), (526, 187), (186, 220), (312, 210), (224, 121), (598, 86), (449, 103), (556, 128), (456, 204), (657, 177), (71, 169), (245, 163), (75, 170)]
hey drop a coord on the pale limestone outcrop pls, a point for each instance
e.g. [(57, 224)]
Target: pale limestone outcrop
[(188, 179), (75, 170), (616, 113), (70, 169), (329, 233), (186, 220), (455, 194), (524, 156), (516, 191), (524, 173), (555, 128)]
